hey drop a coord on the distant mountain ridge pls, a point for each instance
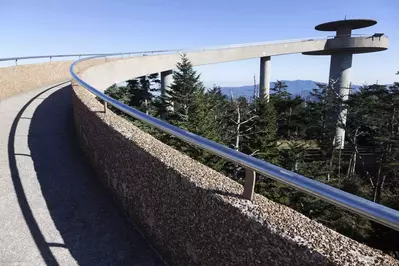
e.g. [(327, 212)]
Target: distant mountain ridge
[(295, 87)]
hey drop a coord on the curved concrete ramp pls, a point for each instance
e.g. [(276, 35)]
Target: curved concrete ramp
[(52, 209)]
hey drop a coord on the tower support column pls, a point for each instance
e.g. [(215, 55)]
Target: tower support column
[(264, 77), (166, 81), (339, 80)]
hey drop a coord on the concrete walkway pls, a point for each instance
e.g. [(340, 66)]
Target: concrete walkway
[(53, 210)]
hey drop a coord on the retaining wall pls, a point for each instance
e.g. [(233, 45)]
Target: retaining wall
[(23, 78), (194, 215), (18, 79)]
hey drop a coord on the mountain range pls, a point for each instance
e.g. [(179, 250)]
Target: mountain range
[(295, 87)]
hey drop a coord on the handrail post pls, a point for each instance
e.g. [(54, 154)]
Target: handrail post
[(249, 185), (105, 107)]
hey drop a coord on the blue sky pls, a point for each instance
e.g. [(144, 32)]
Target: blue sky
[(87, 26)]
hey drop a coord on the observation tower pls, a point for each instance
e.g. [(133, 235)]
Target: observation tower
[(341, 48)]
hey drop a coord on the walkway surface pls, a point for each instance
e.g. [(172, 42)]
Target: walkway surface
[(53, 210)]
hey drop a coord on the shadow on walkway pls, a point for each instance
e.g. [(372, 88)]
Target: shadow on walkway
[(26, 211), (93, 230)]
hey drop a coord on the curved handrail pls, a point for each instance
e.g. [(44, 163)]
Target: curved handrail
[(74, 55), (270, 42), (373, 211), (44, 56), (186, 49)]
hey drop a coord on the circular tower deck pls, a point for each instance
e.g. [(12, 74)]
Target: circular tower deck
[(349, 23), (345, 42)]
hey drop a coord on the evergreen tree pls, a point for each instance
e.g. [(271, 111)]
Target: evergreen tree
[(195, 110), (183, 93), (120, 93), (141, 92), (288, 110), (375, 110), (215, 105), (262, 138), (206, 120), (280, 89)]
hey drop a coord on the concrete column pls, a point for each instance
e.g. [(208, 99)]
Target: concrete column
[(340, 66), (344, 31), (264, 80), (166, 81)]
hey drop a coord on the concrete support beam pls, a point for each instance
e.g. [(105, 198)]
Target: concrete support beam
[(344, 31), (264, 77), (339, 79), (166, 81)]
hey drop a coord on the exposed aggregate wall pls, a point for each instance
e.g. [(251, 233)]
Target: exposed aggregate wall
[(194, 215)]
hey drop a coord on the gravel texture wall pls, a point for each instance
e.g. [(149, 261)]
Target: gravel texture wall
[(23, 78), (194, 215), (18, 79)]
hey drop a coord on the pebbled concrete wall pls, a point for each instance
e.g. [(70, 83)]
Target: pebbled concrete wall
[(18, 79), (194, 215), (23, 78)]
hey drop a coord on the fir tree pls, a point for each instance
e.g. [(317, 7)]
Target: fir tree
[(141, 92), (287, 110), (262, 138), (184, 91), (120, 93)]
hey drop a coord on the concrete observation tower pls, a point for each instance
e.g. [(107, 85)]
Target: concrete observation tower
[(341, 49)]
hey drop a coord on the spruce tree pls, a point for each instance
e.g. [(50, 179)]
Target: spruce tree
[(141, 92), (195, 110), (206, 120), (263, 139), (183, 93), (120, 93), (287, 110)]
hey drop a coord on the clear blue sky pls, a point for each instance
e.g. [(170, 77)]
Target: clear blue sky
[(88, 26)]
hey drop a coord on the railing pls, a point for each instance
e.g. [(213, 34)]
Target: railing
[(274, 42), (75, 55), (368, 209), (186, 49)]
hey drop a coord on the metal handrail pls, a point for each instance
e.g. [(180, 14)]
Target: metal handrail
[(44, 56), (186, 49), (275, 42), (368, 209), (74, 55)]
